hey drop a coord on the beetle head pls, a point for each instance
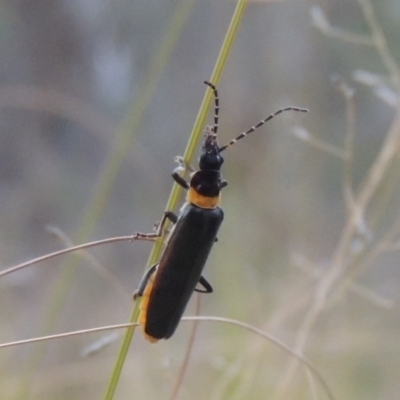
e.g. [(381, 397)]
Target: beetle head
[(210, 157)]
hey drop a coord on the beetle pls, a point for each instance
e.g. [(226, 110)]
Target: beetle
[(168, 285)]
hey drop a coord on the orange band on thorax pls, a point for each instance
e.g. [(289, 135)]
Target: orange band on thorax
[(202, 201)]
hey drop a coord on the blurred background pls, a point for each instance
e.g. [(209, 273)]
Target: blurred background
[(96, 99)]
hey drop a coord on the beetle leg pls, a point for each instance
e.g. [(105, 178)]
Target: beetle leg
[(143, 283), (171, 216), (183, 166), (206, 285), (179, 180), (168, 215)]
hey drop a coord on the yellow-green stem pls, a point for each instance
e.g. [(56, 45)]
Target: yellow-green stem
[(174, 196)]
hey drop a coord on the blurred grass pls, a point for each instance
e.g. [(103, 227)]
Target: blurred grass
[(106, 178), (288, 204), (344, 259)]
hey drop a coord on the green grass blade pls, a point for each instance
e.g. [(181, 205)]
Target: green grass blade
[(174, 196)]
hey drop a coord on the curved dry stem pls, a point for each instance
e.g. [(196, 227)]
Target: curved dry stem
[(244, 325), (65, 251), (66, 334), (299, 357)]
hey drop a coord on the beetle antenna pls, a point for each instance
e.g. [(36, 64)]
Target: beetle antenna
[(216, 108), (261, 123)]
